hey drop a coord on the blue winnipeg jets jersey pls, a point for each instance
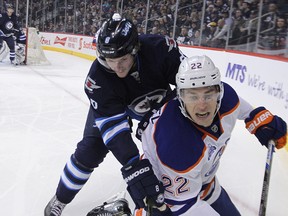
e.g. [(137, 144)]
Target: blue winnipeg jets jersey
[(114, 98), (8, 24), (186, 156)]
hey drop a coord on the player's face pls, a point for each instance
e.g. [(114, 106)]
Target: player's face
[(200, 104), (121, 65)]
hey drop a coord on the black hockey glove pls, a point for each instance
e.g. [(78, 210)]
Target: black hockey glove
[(142, 183), (267, 126)]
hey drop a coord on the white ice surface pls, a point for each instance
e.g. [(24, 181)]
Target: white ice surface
[(42, 114)]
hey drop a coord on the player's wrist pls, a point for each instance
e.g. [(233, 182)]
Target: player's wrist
[(133, 160)]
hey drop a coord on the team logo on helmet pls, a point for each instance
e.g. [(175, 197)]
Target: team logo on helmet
[(107, 39), (126, 29)]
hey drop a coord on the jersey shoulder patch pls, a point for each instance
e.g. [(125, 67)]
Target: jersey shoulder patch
[(159, 44)]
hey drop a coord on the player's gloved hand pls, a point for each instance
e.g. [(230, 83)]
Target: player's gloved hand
[(142, 183), (267, 126)]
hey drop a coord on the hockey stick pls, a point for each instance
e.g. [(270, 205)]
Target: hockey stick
[(149, 207), (265, 188)]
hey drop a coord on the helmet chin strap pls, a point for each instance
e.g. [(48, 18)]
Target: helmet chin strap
[(135, 64), (103, 62), (183, 110)]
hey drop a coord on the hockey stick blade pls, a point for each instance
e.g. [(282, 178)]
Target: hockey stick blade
[(266, 181)]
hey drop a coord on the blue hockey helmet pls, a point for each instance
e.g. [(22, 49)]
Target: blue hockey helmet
[(117, 37)]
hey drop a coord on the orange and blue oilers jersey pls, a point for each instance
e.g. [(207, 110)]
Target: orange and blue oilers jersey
[(186, 156)]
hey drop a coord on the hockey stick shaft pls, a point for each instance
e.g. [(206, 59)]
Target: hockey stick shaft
[(266, 181), (149, 207)]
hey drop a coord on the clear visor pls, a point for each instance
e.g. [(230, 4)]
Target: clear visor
[(191, 96)]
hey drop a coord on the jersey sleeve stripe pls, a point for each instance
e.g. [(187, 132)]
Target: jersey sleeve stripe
[(114, 131), (100, 122)]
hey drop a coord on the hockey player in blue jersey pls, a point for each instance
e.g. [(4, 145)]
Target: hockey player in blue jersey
[(186, 138), (11, 31), (130, 74)]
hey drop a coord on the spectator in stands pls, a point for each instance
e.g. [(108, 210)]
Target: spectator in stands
[(238, 22), (87, 15), (281, 32), (164, 32), (183, 38), (183, 20), (194, 27), (276, 38), (208, 2), (167, 17), (140, 29), (281, 26), (220, 35), (210, 10), (254, 5), (155, 30), (269, 20), (156, 27), (210, 32), (50, 27), (222, 31), (214, 17), (195, 39), (162, 23), (221, 6), (249, 28), (245, 8), (194, 17)]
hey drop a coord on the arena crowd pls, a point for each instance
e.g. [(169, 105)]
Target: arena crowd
[(220, 21)]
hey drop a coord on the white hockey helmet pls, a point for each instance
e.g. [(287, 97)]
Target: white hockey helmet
[(197, 72)]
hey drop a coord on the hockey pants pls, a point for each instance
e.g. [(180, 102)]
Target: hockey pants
[(224, 206)]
